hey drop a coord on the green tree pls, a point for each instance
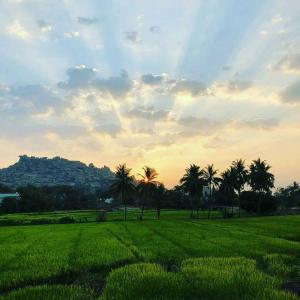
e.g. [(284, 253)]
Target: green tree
[(147, 186), (192, 183), (123, 185), (212, 180), (260, 179)]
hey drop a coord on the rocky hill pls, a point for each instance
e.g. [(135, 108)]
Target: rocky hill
[(56, 171)]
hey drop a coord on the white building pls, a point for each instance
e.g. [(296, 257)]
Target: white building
[(8, 195)]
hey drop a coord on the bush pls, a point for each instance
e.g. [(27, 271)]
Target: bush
[(258, 202), (10, 222), (102, 216), (66, 220), (42, 221)]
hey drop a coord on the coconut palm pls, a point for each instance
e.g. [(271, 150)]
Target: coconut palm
[(227, 185), (192, 183), (212, 180), (123, 185), (240, 174), (147, 185), (160, 193), (260, 179)]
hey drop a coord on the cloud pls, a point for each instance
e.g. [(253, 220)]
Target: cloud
[(238, 86), (258, 123), (226, 68), (78, 77), (109, 128), (152, 79), (146, 131), (155, 29), (289, 63), (291, 94), (263, 32), (132, 36), (44, 26), (148, 113), (17, 30), (277, 19), (192, 87), (34, 98), (71, 34), (87, 21), (117, 86), (203, 124)]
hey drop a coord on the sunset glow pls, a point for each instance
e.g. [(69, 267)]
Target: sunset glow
[(163, 84)]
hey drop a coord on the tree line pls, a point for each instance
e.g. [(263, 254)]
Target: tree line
[(226, 188), (244, 187)]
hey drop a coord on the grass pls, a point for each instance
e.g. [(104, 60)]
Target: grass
[(248, 258), (86, 216)]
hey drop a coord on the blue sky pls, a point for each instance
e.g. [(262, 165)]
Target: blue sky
[(152, 82)]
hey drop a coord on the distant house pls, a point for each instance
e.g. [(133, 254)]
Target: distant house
[(8, 195), (206, 192)]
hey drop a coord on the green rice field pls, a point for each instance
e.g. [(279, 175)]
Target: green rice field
[(174, 258)]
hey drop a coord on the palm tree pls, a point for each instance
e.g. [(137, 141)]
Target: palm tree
[(192, 183), (210, 175), (147, 186), (240, 178), (228, 179), (160, 193), (260, 179), (123, 185)]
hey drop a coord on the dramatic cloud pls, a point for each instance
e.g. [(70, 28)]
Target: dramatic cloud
[(200, 124), (238, 86), (110, 129), (152, 79), (148, 113), (81, 76), (291, 94), (78, 77), (117, 86), (289, 63), (35, 98), (87, 21), (192, 87)]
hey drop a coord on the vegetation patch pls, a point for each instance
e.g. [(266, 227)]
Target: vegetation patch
[(51, 292), (202, 278)]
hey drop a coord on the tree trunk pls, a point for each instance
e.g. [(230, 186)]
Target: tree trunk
[(123, 202), (239, 196), (142, 213), (210, 201), (192, 207)]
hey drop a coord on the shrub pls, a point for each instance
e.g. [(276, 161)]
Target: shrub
[(102, 216), (258, 202), (66, 220)]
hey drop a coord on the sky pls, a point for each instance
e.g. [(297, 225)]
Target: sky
[(163, 83)]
